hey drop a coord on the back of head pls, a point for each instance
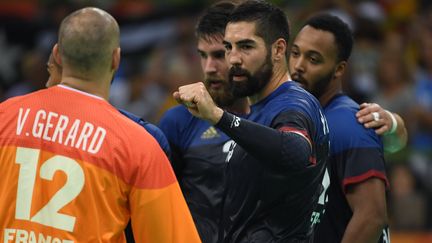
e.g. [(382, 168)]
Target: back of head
[(271, 22), (87, 40), (213, 21), (339, 29)]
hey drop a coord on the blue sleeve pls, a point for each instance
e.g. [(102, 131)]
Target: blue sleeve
[(357, 152), (158, 135), (168, 125), (276, 146), (152, 129), (172, 124)]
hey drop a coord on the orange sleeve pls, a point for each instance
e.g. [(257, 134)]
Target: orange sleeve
[(161, 215), (159, 212)]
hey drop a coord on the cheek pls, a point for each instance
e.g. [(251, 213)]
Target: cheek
[(314, 73), (223, 69), (203, 64), (255, 64), (291, 66)]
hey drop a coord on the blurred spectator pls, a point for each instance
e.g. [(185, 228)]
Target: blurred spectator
[(34, 74), (422, 138), (362, 82), (421, 142), (394, 79), (180, 64), (135, 90), (408, 206)]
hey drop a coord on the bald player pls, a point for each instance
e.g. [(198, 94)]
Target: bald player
[(74, 167)]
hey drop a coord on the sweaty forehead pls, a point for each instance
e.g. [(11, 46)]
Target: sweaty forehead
[(311, 39)]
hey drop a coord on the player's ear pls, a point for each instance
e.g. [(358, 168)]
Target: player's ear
[(278, 49), (340, 69), (56, 54), (116, 58)]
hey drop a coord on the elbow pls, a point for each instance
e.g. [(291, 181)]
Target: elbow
[(383, 218), (372, 215), (381, 221), (298, 157), (378, 219)]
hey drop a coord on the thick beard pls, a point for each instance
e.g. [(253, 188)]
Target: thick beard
[(253, 83), (223, 97)]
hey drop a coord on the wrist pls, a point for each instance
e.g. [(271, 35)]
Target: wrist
[(217, 115), (228, 121), (394, 123)]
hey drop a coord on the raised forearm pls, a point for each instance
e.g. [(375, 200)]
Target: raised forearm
[(266, 143)]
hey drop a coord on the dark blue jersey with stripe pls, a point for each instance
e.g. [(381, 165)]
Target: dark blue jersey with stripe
[(356, 155), (199, 152), (268, 198)]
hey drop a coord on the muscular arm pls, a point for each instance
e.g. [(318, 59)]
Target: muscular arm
[(394, 141), (368, 203)]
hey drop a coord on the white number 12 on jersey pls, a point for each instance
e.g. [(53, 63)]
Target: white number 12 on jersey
[(28, 159)]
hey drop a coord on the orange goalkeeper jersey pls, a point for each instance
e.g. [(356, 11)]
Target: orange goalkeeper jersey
[(73, 169)]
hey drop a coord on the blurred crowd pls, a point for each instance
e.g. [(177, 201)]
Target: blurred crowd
[(391, 65)]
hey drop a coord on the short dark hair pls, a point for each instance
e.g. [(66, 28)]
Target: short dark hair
[(340, 30), (213, 21), (271, 23)]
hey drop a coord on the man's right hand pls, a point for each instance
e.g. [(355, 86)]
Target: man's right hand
[(199, 102)]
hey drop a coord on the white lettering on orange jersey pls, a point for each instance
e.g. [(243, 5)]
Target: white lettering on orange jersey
[(20, 235), (21, 120), (58, 128)]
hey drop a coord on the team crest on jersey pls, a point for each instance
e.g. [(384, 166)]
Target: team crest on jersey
[(211, 132)]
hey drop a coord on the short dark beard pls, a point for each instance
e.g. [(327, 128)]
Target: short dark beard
[(321, 85), (223, 97), (317, 89), (253, 83)]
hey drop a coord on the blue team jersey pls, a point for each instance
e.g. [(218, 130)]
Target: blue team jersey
[(199, 152), (268, 200), (356, 155), (152, 129)]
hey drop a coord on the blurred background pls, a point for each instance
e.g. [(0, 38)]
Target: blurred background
[(391, 64)]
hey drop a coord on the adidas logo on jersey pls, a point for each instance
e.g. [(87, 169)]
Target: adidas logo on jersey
[(211, 132)]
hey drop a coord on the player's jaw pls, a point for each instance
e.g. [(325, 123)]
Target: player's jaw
[(215, 83), (244, 83), (316, 87), (220, 91)]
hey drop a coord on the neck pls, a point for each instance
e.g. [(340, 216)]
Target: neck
[(333, 89), (240, 106), (280, 76), (90, 86)]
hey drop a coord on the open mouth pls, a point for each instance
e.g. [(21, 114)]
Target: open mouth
[(239, 77), (215, 84)]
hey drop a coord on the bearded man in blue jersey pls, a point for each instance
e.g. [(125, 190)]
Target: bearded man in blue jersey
[(356, 210), (274, 167), (199, 149)]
